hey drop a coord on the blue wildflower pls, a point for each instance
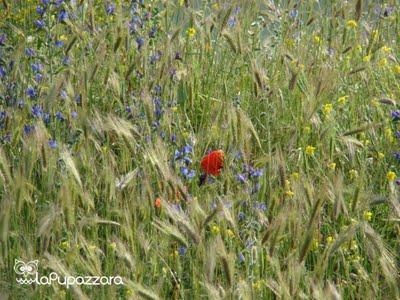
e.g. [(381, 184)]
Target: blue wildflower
[(28, 129), (396, 115), (241, 258), (62, 16), (59, 43), (173, 138), (293, 13), (153, 32), (187, 149), (110, 9), (37, 111), (39, 23), (31, 92), (63, 94), (66, 61), (139, 42), (184, 171), (59, 116), (397, 156), (241, 178), (2, 72), (52, 144), (182, 250), (40, 10), (74, 114), (36, 67), (29, 52), (38, 77), (3, 38), (241, 216), (178, 154), (231, 21), (46, 118)]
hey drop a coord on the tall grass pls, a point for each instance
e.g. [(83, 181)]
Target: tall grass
[(298, 95)]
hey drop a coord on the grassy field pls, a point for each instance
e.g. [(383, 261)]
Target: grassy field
[(108, 107)]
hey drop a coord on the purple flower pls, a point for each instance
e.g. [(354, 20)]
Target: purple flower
[(397, 156), (40, 10), (52, 144), (187, 149), (153, 32), (293, 13), (173, 138), (38, 77), (3, 38), (177, 154), (256, 172), (39, 23), (66, 61), (182, 250), (74, 114), (36, 67), (59, 116), (45, 2), (231, 21), (396, 115), (29, 52), (139, 42), (178, 56), (46, 118), (110, 9), (37, 111), (241, 258), (63, 94), (28, 129), (31, 92), (241, 178), (241, 216), (62, 16), (2, 72), (398, 181), (59, 44)]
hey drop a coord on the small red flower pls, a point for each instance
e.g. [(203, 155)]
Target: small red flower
[(213, 162), (157, 203)]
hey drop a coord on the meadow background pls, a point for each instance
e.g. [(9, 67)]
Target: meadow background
[(107, 108)]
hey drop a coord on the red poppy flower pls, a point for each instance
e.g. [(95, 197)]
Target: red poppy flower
[(212, 163)]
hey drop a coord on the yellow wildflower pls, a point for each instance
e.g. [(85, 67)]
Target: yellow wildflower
[(342, 100), (295, 175), (329, 239), (351, 24), (289, 194), (382, 62), (381, 155), (391, 176), (386, 49), (327, 109), (310, 150), (215, 229), (332, 165), (353, 174), (307, 129), (316, 39), (230, 233), (314, 245), (367, 215), (113, 245), (191, 32), (396, 69), (367, 58)]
